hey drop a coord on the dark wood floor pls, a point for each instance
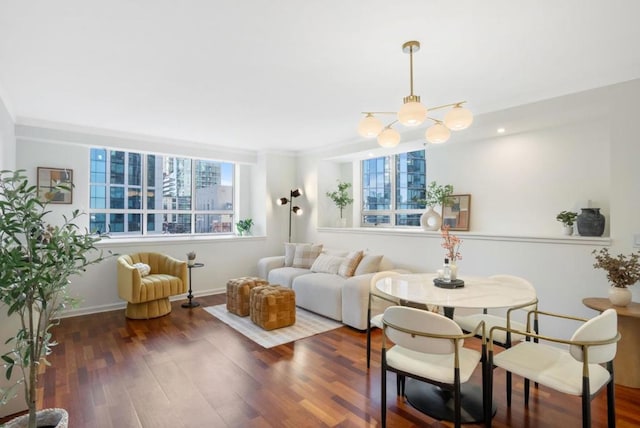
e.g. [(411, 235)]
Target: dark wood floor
[(188, 369)]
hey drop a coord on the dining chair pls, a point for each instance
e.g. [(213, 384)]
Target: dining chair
[(577, 370), (503, 338), (383, 300), (429, 347)]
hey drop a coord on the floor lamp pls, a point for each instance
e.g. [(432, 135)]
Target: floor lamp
[(292, 209)]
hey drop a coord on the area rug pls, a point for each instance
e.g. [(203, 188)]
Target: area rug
[(307, 324)]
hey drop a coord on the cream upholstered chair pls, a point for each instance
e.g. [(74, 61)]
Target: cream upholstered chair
[(429, 347), (577, 370), (147, 295), (378, 302)]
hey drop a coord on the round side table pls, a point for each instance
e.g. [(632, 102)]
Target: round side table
[(192, 303), (626, 366)]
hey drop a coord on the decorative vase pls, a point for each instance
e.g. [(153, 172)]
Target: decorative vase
[(619, 296), (430, 220), (568, 230), (191, 262), (54, 418), (454, 270), (590, 222), (341, 222)]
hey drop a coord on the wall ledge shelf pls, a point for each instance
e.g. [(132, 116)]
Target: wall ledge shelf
[(419, 233)]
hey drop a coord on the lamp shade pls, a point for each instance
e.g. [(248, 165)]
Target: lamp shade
[(389, 137), (412, 113), (458, 118), (282, 201), (437, 133), (297, 210), (370, 126), (295, 193)]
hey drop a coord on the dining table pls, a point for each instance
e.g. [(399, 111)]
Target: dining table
[(478, 292)]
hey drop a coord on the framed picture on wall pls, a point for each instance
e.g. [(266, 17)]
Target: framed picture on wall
[(55, 185), (457, 213)]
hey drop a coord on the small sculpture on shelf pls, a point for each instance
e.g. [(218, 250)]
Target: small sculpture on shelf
[(191, 258)]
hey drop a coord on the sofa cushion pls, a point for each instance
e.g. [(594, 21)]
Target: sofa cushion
[(350, 263), (290, 252), (368, 264), (320, 293), (305, 255), (326, 263), (285, 276)]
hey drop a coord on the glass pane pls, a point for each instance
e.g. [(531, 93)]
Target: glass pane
[(151, 200), (97, 197), (134, 198), (134, 222), (214, 186), (176, 189), (153, 227), (410, 180), (176, 223), (214, 223), (98, 223), (135, 169), (98, 167), (116, 199), (376, 220), (116, 223), (117, 167), (152, 171), (408, 219)]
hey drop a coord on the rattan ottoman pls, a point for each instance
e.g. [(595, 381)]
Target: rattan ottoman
[(238, 293), (273, 306)]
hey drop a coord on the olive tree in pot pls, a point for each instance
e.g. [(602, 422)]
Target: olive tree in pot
[(36, 263), (341, 198)]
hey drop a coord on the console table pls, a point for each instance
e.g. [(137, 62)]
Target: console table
[(626, 366)]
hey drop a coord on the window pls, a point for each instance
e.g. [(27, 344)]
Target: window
[(149, 194), (390, 187)]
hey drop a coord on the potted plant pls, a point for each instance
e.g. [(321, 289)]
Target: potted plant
[(341, 198), (435, 195), (622, 272), (244, 226), (37, 261), (191, 258), (567, 218)]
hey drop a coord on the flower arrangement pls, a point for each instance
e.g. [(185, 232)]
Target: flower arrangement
[(622, 271), (451, 244)]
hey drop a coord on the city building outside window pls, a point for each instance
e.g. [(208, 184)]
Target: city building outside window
[(151, 194), (390, 186)]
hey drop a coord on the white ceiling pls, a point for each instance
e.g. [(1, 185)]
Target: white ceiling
[(295, 74)]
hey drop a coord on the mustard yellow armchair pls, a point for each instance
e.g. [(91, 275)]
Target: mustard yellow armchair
[(147, 289)]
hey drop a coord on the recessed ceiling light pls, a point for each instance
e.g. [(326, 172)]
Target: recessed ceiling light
[(501, 130)]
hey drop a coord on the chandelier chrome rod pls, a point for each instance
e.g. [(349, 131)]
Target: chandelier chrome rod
[(430, 108)]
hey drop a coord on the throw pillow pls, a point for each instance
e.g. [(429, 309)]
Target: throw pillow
[(350, 263), (289, 252), (305, 255), (326, 263), (143, 268), (368, 264)]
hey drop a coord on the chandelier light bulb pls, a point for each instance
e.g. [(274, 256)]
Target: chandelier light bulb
[(369, 126), (458, 118), (437, 133), (389, 137), (412, 113)]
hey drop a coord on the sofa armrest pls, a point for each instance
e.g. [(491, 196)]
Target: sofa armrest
[(266, 264), (128, 280)]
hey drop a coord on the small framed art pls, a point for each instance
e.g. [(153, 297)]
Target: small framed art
[(55, 185), (457, 214)]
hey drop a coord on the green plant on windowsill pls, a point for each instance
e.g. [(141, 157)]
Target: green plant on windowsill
[(567, 218), (37, 261), (244, 226), (436, 194), (341, 196)]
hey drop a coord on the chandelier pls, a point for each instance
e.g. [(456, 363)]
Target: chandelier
[(413, 113)]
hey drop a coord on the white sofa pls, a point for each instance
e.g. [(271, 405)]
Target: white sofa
[(341, 298)]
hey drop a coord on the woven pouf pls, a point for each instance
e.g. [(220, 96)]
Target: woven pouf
[(273, 306), (238, 290)]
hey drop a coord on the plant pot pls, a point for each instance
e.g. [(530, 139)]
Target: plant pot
[(568, 230), (191, 262), (54, 418), (341, 222), (430, 220), (619, 296)]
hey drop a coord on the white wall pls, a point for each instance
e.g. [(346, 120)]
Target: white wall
[(556, 155), (7, 138)]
